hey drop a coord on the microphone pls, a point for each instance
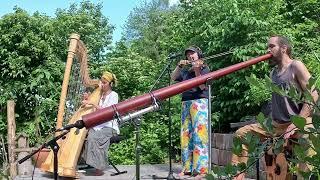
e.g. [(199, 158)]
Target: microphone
[(78, 124), (174, 55)]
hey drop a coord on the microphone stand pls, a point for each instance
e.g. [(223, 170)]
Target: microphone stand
[(55, 147), (167, 68), (170, 59), (136, 123), (209, 85)]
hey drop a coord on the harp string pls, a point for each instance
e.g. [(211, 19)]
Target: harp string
[(75, 90), (79, 81)]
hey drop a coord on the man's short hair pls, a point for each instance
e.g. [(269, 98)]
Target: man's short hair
[(283, 41)]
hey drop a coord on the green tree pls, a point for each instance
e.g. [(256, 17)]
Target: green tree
[(87, 20), (30, 70), (242, 26), (218, 26), (33, 52), (145, 27)]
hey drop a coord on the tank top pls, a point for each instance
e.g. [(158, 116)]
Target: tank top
[(282, 107)]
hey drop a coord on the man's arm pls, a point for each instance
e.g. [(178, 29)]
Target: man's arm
[(302, 76), (175, 75)]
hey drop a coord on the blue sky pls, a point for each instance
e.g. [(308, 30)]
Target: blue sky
[(116, 10)]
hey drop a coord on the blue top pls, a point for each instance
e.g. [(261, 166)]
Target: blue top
[(196, 92)]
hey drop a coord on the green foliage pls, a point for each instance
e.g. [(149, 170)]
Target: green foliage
[(316, 120), (298, 121), (305, 148), (258, 93), (237, 146), (135, 73), (152, 144), (33, 52), (145, 27), (32, 56), (26, 60), (87, 20), (154, 30)]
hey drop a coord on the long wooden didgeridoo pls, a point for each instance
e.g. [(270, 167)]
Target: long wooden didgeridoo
[(129, 105)]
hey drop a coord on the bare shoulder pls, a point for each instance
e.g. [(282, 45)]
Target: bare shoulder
[(300, 71), (297, 64), (299, 67)]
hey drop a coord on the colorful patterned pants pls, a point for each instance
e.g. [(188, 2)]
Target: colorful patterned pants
[(194, 136)]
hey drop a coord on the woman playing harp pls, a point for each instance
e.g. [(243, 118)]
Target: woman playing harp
[(71, 146), (98, 140)]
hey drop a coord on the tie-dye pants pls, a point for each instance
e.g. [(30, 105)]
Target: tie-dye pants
[(194, 136)]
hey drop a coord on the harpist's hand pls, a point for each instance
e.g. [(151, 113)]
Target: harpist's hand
[(84, 103), (85, 99), (85, 96), (100, 84)]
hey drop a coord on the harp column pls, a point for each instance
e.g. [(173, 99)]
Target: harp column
[(74, 38)]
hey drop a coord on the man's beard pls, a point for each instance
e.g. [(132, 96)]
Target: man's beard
[(272, 62), (275, 59)]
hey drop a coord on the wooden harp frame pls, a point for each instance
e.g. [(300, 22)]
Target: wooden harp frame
[(71, 146)]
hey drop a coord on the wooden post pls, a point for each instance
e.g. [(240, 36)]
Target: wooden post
[(11, 137)]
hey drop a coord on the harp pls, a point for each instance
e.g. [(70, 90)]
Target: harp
[(76, 79)]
